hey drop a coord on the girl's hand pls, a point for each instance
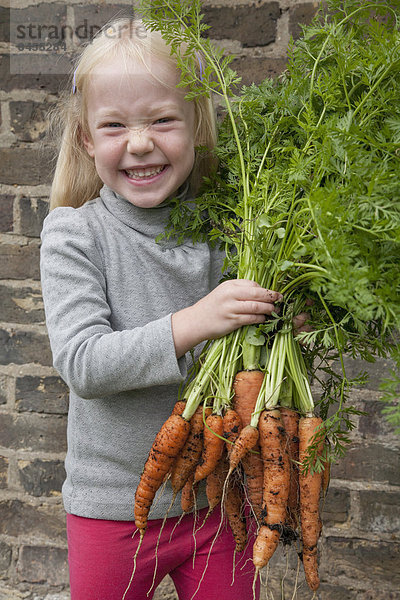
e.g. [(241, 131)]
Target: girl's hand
[(300, 323), (231, 305)]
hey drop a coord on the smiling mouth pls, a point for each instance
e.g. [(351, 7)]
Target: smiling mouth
[(145, 173)]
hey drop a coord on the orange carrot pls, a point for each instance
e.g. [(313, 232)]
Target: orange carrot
[(188, 496), (232, 427), (233, 508), (213, 445), (254, 471), (215, 483), (275, 487), (187, 460), (179, 407), (247, 440), (264, 546), (166, 446), (290, 420), (310, 490), (246, 387)]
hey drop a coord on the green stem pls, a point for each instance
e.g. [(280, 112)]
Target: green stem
[(299, 280), (200, 385), (269, 393), (229, 367), (338, 347), (342, 22), (298, 373), (251, 356)]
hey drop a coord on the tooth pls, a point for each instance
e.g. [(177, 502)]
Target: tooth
[(148, 172)]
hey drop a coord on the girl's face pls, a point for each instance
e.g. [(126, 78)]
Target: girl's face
[(141, 132)]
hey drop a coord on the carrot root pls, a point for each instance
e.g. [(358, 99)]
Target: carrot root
[(265, 545), (246, 387), (275, 486), (166, 446), (213, 445), (310, 490), (232, 427), (233, 508), (290, 420), (187, 460), (254, 473), (188, 495), (215, 484), (247, 439)]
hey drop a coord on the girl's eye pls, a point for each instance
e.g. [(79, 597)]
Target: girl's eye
[(163, 120), (113, 125)]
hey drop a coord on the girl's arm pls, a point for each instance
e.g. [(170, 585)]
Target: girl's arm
[(231, 305), (94, 359)]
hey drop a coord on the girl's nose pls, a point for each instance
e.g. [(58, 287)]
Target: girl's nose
[(139, 142)]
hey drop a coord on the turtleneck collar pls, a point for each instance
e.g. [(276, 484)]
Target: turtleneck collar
[(151, 222)]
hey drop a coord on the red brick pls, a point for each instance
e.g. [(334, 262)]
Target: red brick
[(20, 519), (362, 560), (32, 212), (28, 119), (371, 462), (41, 477), (5, 558), (43, 564), (6, 213), (22, 347), (301, 14), (21, 304), (26, 166), (254, 70), (41, 394), (3, 472), (19, 261), (32, 432), (37, 80), (379, 511), (253, 25)]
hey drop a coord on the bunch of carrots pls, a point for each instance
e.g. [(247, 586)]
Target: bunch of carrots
[(261, 461)]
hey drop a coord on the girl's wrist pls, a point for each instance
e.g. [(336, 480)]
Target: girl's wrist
[(186, 331)]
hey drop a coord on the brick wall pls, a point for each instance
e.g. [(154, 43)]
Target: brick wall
[(360, 551)]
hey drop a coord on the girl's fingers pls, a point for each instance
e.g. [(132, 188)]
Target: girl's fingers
[(251, 307), (300, 320), (256, 301), (250, 290), (300, 325)]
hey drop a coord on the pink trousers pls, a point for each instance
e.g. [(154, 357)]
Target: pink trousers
[(202, 567)]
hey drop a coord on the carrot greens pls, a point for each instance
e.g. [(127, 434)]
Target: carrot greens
[(305, 201)]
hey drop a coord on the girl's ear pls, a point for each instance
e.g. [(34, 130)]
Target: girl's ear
[(88, 144)]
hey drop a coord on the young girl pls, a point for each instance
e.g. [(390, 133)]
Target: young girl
[(123, 312)]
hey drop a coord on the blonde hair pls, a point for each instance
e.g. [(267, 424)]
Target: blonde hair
[(75, 178)]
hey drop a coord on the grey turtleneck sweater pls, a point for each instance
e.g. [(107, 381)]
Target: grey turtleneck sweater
[(109, 292)]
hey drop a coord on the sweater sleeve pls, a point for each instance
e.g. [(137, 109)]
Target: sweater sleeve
[(93, 359)]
